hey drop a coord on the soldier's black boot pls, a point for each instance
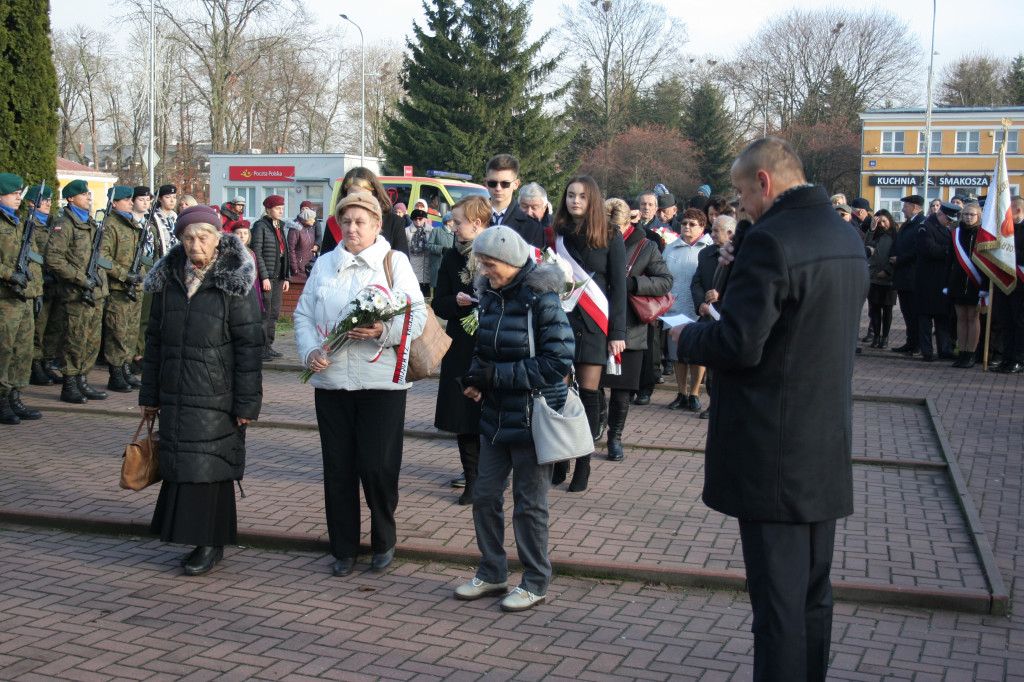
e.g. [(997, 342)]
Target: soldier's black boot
[(88, 391), (117, 382), (7, 415), (47, 365), (70, 393), (19, 408), (38, 376), (126, 372)]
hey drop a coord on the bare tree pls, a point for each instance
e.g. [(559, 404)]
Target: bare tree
[(81, 63), (383, 90), (626, 44), (973, 80)]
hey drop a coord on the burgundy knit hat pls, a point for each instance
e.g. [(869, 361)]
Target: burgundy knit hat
[(195, 214), (273, 200)]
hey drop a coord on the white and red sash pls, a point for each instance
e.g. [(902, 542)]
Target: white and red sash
[(965, 260), (592, 299)]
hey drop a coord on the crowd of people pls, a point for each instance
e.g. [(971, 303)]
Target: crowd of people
[(538, 299)]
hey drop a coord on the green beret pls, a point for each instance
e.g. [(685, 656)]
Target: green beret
[(122, 192), (9, 183), (33, 193), (74, 188)]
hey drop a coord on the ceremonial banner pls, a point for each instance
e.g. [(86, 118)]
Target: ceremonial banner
[(994, 251)]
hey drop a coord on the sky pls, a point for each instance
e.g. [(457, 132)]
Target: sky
[(714, 28)]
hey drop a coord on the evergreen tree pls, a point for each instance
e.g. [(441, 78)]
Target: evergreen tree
[(420, 133), (708, 127), (838, 102), (582, 117), (663, 104), (28, 91), (1013, 82)]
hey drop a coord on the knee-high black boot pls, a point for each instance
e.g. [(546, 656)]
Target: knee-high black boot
[(592, 405), (469, 454), (618, 410), (603, 415)]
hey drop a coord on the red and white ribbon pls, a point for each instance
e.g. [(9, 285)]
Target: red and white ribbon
[(592, 299), (965, 260)]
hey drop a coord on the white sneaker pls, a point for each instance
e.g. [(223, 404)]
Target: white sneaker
[(477, 588), (520, 600)]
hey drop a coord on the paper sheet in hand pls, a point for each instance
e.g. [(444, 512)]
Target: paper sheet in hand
[(675, 320), (713, 313)]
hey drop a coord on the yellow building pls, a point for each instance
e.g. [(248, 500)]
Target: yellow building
[(964, 146), (98, 181)]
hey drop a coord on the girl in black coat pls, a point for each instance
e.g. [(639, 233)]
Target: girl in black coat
[(961, 288), (648, 276), (881, 295), (202, 373), (454, 300), (392, 226), (582, 234)]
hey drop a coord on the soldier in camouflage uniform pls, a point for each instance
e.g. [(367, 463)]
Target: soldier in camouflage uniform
[(121, 236), (68, 255), (50, 318), (15, 302)]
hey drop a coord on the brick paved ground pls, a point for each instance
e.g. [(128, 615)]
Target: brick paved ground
[(93, 607)]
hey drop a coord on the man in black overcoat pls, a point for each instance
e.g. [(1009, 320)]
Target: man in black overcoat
[(933, 243), (502, 183), (904, 259), (778, 453)]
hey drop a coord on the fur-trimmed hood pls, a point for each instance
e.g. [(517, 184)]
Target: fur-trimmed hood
[(233, 272), (541, 278)]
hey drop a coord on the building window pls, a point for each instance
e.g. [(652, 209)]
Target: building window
[(249, 193), (892, 142), (968, 141), (1011, 142), (889, 199), (281, 191), (936, 142)]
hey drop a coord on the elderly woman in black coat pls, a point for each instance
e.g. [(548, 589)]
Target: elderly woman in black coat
[(454, 300), (646, 275), (201, 374), (512, 289)]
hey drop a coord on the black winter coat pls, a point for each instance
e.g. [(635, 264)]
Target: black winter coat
[(780, 430), (905, 251), (202, 365), (933, 242), (649, 276), (528, 228), (608, 268), (704, 276), (271, 262), (961, 288), (454, 412), (879, 267), (392, 228), (503, 342)]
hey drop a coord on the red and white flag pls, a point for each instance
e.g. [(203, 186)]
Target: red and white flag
[(994, 253)]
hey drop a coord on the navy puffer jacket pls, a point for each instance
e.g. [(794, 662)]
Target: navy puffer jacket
[(502, 341), (203, 365)]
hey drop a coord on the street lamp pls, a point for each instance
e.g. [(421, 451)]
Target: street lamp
[(362, 108)]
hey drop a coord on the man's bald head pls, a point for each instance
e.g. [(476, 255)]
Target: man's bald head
[(763, 171)]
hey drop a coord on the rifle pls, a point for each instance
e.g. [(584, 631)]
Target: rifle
[(140, 257), (92, 272), (26, 254)]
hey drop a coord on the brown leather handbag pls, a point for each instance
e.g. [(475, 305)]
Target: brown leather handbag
[(141, 466), (427, 349), (648, 308)]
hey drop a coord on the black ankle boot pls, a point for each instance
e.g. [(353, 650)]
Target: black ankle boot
[(617, 413), (87, 390), (580, 475), (47, 365), (129, 378), (883, 342), (7, 415), (19, 408), (558, 472), (38, 376), (203, 560), (70, 393), (469, 455), (116, 382)]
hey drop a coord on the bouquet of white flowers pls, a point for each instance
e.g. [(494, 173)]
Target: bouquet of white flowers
[(573, 288)]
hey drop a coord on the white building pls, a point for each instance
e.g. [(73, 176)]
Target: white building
[(296, 177)]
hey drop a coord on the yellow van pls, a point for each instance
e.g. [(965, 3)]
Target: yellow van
[(441, 191)]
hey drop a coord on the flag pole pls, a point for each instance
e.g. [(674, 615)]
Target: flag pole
[(988, 328)]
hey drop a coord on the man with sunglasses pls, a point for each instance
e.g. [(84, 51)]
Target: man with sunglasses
[(502, 183)]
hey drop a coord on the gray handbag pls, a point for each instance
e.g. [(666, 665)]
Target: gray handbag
[(558, 435)]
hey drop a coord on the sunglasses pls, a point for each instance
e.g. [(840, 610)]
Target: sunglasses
[(505, 184)]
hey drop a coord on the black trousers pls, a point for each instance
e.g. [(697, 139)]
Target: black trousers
[(272, 301), (943, 339), (361, 436), (650, 368), (1009, 310), (908, 308), (788, 567)]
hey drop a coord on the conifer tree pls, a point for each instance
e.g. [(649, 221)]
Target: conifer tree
[(708, 127), (28, 91), (1013, 82)]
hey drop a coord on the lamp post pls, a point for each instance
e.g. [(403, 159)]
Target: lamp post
[(362, 108), (928, 111), (152, 70)]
